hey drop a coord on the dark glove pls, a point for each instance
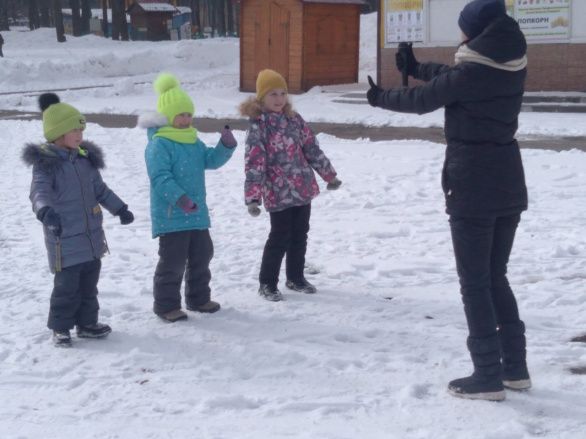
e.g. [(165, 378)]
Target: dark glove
[(253, 209), (333, 184), (373, 93), (227, 138), (50, 219), (126, 216), (186, 205), (405, 59)]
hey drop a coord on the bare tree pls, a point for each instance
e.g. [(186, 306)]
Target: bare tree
[(230, 17), (115, 19), (4, 15), (123, 22), (105, 18), (33, 15), (45, 15), (58, 21), (75, 17), (195, 15), (86, 15)]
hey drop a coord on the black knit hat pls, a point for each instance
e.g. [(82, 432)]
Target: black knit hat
[(478, 14)]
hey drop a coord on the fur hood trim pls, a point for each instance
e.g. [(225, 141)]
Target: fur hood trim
[(252, 108), (152, 119), (46, 155)]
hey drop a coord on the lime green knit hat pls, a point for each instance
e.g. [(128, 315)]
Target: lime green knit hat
[(59, 118), (172, 99)]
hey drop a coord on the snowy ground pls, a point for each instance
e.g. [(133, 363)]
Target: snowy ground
[(369, 356)]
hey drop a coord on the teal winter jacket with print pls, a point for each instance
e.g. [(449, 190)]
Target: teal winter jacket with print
[(176, 169)]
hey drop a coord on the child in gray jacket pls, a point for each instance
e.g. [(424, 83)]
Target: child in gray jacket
[(67, 191)]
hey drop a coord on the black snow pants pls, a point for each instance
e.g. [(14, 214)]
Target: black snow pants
[(288, 236), (74, 300), (188, 252), (482, 247)]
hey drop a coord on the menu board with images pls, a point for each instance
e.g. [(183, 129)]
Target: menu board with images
[(403, 21)]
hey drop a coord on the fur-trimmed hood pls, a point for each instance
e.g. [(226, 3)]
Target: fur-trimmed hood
[(252, 108), (49, 156), (152, 119)]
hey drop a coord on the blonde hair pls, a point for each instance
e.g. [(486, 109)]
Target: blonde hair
[(253, 107)]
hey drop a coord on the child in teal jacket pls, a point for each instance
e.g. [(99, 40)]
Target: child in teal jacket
[(176, 161)]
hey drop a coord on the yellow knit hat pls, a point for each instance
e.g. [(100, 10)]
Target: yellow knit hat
[(268, 80), (172, 99), (58, 118)]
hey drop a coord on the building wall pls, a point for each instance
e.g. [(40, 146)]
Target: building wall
[(556, 65), (254, 50), (330, 46)]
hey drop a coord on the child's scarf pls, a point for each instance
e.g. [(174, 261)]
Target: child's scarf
[(181, 135)]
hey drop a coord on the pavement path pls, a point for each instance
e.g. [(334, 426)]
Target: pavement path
[(341, 130)]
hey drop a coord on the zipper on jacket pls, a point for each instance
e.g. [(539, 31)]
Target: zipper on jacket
[(87, 220)]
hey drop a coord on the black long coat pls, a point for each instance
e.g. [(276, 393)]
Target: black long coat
[(483, 172)]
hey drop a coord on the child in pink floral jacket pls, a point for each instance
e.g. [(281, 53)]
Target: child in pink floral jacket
[(280, 156)]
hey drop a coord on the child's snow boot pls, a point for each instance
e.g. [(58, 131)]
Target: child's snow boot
[(209, 307), (173, 316), (270, 292), (97, 330), (62, 339), (303, 286)]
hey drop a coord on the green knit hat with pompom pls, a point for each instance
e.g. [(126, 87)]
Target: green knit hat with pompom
[(59, 118), (172, 99)]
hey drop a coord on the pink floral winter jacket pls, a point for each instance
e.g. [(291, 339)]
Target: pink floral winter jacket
[(281, 151)]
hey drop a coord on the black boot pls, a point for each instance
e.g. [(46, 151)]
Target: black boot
[(302, 285), (270, 292), (486, 381), (514, 354), (62, 339), (97, 330)]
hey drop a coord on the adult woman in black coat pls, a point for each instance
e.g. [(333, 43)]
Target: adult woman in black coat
[(483, 182)]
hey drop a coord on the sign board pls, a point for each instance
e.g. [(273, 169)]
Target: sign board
[(403, 20), (543, 19)]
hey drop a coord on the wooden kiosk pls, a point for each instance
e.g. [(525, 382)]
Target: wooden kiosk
[(309, 42)]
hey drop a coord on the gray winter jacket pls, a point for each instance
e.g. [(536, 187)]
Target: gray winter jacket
[(70, 183)]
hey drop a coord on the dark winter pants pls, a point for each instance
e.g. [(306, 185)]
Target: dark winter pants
[(482, 247), (288, 235), (189, 253), (74, 300)]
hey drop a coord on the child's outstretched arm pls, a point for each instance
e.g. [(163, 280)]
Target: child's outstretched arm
[(313, 153), (255, 161), (218, 156)]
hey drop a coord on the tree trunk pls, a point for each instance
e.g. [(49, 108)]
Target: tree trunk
[(33, 15), (230, 15), (45, 16), (195, 21), (75, 17), (105, 18), (221, 14), (86, 15), (58, 21), (123, 21), (4, 15), (115, 19)]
